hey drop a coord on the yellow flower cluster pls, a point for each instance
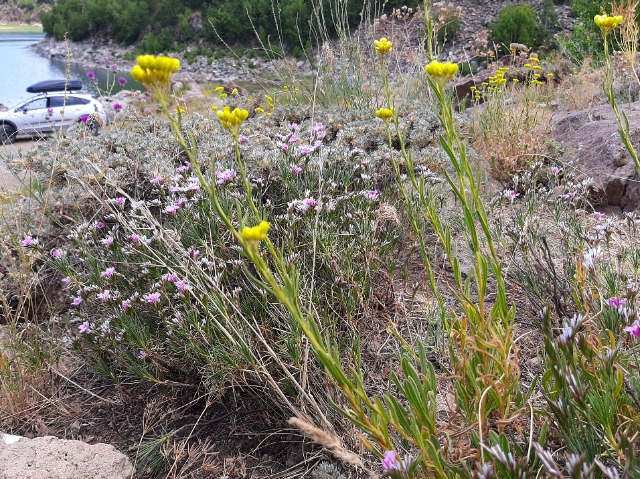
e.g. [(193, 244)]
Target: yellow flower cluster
[(441, 72), (256, 233), (497, 80), (534, 66), (383, 46), (155, 72), (232, 120), (607, 23), (385, 114)]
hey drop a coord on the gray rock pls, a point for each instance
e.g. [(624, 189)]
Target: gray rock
[(52, 458)]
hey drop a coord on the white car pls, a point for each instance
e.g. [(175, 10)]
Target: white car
[(56, 106)]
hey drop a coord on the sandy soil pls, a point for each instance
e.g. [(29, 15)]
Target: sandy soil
[(8, 181)]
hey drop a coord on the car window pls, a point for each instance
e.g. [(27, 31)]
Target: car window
[(74, 100), (39, 104), (56, 101)]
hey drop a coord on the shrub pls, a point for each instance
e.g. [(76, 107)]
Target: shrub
[(516, 24)]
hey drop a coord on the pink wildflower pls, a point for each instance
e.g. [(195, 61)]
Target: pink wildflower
[(104, 296), (152, 298), (29, 242), (634, 329), (134, 238), (390, 462), (126, 304), (109, 272), (108, 241), (84, 327), (296, 169), (77, 301), (56, 253)]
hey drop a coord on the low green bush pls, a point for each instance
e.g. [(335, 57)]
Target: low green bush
[(517, 24)]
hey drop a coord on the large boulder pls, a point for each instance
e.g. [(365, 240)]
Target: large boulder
[(591, 142), (52, 458)]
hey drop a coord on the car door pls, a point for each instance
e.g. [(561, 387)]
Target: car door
[(75, 108), (56, 111), (31, 117)]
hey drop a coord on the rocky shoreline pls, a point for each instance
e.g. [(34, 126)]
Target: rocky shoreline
[(98, 53)]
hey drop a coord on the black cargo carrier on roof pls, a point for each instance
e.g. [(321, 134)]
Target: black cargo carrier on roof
[(55, 85)]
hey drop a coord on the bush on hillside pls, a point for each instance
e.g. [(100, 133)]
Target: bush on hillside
[(517, 24)]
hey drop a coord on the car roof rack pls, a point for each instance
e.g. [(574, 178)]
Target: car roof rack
[(55, 85)]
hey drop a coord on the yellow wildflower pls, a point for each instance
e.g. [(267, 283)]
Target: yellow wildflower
[(527, 65), (223, 95), (231, 120), (383, 46), (607, 23), (385, 114), (534, 59), (256, 233), (515, 80), (155, 72), (550, 75), (215, 107), (180, 111), (536, 67), (259, 110), (441, 72), (285, 87), (218, 89), (234, 91)]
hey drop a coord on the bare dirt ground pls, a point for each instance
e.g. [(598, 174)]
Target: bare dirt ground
[(9, 181)]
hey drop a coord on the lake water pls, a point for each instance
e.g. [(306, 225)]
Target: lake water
[(20, 67)]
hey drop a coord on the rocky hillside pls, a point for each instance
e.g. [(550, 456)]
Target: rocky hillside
[(22, 12)]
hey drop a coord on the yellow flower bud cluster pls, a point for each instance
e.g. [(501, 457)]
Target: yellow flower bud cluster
[(256, 233), (607, 23), (155, 72), (497, 80), (231, 120), (441, 72), (385, 114), (383, 46)]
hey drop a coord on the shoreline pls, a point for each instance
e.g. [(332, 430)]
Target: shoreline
[(95, 53)]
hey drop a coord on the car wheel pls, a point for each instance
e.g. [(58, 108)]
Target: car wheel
[(7, 134), (94, 128)]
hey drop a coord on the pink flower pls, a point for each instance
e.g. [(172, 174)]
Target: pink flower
[(66, 280), (91, 75), (634, 329), (117, 107), (77, 301), (108, 241), (49, 111), (156, 181), (152, 298), (284, 147), (108, 273), (134, 238), (306, 150), (172, 209), (296, 169), (372, 195), (555, 170), (100, 225), (84, 118), (510, 194), (597, 215), (294, 139), (183, 168), (225, 177), (390, 462), (122, 81), (195, 253), (104, 296), (84, 327), (182, 286), (56, 253), (120, 200), (126, 304), (243, 139), (142, 354), (28, 242), (616, 303), (170, 277)]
